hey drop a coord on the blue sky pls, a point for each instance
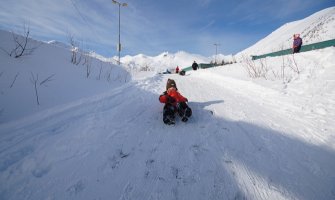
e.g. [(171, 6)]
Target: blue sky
[(154, 26)]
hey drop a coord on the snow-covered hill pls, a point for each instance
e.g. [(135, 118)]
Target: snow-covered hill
[(104, 138), (163, 61), (316, 28), (58, 80)]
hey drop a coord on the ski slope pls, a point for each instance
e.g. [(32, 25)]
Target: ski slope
[(238, 144)]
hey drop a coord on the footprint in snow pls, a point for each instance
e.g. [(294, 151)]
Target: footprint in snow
[(76, 188)]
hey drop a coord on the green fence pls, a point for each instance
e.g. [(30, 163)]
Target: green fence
[(309, 47), (201, 66), (187, 68)]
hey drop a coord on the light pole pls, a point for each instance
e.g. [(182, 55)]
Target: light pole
[(119, 44), (216, 50)]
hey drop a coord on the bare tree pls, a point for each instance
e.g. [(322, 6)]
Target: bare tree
[(22, 47), (263, 68), (74, 51), (100, 71), (11, 85), (46, 80), (294, 65), (109, 76), (250, 66), (74, 48), (36, 83), (254, 70), (145, 68), (81, 53), (109, 72), (34, 80), (88, 65)]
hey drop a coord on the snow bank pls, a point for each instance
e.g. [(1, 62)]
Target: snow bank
[(58, 80)]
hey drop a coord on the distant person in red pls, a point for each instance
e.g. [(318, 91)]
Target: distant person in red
[(297, 42), (177, 70)]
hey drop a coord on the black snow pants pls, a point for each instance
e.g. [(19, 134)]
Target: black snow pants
[(169, 110)]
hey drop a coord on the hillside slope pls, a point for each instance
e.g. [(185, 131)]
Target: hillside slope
[(58, 80), (316, 28)]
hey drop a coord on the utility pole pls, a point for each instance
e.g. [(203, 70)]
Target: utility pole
[(216, 50), (119, 44)]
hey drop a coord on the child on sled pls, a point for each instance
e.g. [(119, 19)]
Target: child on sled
[(174, 103)]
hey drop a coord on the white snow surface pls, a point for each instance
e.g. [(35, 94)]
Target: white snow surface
[(104, 138)]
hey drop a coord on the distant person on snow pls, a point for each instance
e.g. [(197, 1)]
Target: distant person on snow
[(177, 69), (167, 72), (174, 103), (195, 65), (297, 42)]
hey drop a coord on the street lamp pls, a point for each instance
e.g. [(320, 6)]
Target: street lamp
[(216, 51), (119, 44)]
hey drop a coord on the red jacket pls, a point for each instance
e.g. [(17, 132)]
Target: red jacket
[(172, 96)]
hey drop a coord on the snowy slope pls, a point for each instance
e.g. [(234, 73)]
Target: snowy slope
[(316, 28), (68, 81), (99, 139)]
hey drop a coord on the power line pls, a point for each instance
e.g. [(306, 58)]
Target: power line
[(83, 17)]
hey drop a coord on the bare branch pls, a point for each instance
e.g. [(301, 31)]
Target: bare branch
[(21, 45), (99, 76), (34, 81), (88, 65), (295, 64), (254, 70), (11, 85), (48, 79)]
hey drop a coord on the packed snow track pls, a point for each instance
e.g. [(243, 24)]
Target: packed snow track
[(239, 144)]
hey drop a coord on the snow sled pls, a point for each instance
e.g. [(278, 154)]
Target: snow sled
[(182, 73)]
